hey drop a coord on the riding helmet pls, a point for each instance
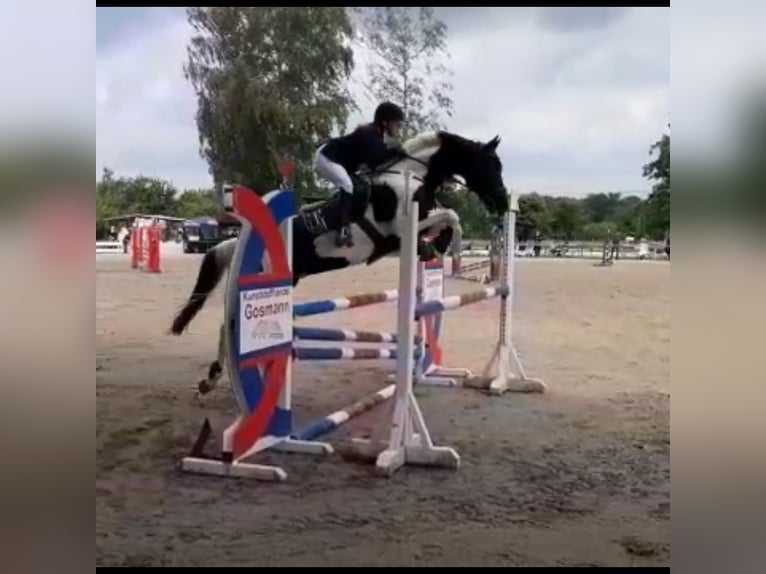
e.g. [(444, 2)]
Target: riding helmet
[(388, 112)]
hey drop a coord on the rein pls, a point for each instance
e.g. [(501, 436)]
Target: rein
[(386, 170)]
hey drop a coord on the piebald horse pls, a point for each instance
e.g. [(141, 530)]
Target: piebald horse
[(432, 159)]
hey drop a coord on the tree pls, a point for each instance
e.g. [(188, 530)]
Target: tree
[(410, 47), (630, 217), (124, 195), (197, 202), (475, 220), (601, 206), (597, 231), (658, 204), (533, 216), (567, 218), (270, 81), (106, 201)]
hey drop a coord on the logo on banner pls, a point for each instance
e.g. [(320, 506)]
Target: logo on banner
[(265, 319)]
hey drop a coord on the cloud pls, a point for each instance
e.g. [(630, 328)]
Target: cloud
[(577, 95), (576, 112), (145, 108), (571, 19)]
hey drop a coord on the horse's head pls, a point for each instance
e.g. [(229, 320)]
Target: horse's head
[(477, 163)]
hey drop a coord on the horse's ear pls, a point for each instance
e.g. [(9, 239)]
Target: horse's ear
[(492, 144)]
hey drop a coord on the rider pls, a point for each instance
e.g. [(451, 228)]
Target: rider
[(340, 158)]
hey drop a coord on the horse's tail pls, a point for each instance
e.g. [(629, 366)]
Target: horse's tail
[(214, 264)]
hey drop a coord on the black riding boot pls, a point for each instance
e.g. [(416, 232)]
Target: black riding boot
[(345, 202)]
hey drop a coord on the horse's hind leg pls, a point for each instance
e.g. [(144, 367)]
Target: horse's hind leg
[(216, 367)]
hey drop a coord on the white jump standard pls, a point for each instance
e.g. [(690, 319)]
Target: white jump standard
[(409, 441), (510, 371)]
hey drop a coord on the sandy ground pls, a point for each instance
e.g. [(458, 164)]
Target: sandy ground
[(577, 476)]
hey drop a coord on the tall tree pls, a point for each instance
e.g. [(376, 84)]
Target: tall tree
[(106, 201), (658, 204), (270, 81), (409, 47)]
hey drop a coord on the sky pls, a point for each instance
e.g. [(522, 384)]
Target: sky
[(577, 95)]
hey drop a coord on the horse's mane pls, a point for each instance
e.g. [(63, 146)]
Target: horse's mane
[(420, 142)]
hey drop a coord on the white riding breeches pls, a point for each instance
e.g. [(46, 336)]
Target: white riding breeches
[(333, 172)]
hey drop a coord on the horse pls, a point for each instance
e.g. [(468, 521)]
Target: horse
[(432, 158)]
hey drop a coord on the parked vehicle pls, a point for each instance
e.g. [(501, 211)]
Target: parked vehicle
[(200, 234)]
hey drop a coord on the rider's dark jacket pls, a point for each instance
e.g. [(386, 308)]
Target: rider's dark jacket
[(363, 146)]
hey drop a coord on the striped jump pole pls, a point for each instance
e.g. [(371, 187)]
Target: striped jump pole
[(460, 271), (323, 334), (474, 266), (430, 285), (344, 353), (324, 425), (456, 301), (330, 305)]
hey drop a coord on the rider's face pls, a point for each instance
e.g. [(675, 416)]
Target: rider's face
[(393, 129)]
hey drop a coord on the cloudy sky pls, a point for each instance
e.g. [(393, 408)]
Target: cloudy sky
[(576, 94)]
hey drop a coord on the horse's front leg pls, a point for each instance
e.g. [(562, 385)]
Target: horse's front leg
[(439, 219), (215, 371), (445, 225), (440, 224)]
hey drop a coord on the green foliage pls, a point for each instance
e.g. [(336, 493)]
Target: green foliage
[(197, 202), (599, 206), (553, 217), (598, 215), (567, 217), (657, 212), (270, 81), (589, 219), (474, 218), (597, 231), (410, 48), (133, 195), (533, 217)]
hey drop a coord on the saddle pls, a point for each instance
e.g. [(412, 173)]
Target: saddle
[(321, 215)]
